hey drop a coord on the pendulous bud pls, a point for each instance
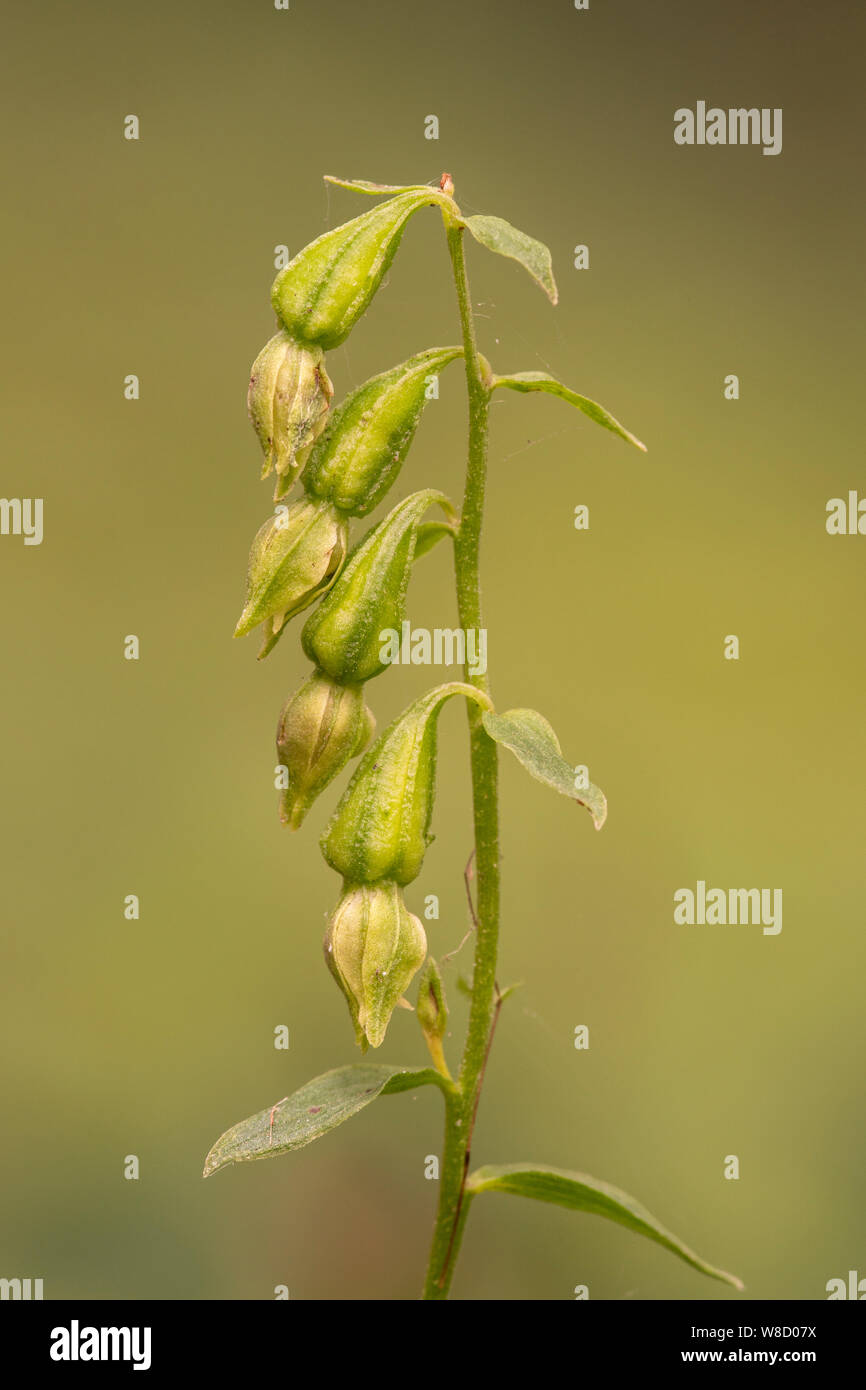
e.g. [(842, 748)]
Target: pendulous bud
[(321, 727), (295, 557), (344, 633), (373, 947), (322, 293), (380, 829), (288, 400), (368, 436)]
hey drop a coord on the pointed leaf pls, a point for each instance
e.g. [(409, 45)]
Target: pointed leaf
[(499, 236), (312, 1111), (365, 186), (541, 381), (579, 1192), (533, 742), (430, 533)]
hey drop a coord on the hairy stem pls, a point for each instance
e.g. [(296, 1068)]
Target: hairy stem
[(462, 1108)]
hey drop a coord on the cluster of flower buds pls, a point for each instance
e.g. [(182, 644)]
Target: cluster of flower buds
[(326, 722), (300, 550), (376, 840), (346, 460)]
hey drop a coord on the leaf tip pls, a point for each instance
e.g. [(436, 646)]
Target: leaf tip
[(599, 815), (211, 1164)]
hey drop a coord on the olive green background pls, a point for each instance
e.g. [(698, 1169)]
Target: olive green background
[(155, 777)]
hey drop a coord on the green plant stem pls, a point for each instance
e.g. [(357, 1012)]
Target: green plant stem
[(461, 1108)]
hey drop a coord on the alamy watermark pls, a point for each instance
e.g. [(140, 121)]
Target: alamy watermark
[(854, 1287), (21, 1289), (846, 516), (22, 516), (738, 125), (443, 646), (77, 1343), (721, 907)]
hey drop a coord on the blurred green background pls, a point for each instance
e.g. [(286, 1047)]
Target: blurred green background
[(155, 777)]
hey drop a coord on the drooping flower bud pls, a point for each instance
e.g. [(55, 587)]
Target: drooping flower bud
[(295, 557), (321, 727), (322, 293), (288, 401), (343, 634), (380, 828), (373, 947), (368, 435)]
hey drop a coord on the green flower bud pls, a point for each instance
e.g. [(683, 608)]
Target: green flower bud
[(322, 293), (288, 401), (321, 727), (380, 828), (369, 434), (295, 557), (431, 1008), (342, 635), (373, 947)]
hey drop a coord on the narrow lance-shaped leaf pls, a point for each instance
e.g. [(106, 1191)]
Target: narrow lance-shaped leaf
[(579, 1192), (365, 186), (316, 1108), (533, 742), (499, 236), (541, 381)]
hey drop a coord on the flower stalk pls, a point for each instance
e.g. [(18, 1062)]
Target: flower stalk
[(459, 1118), (345, 461)]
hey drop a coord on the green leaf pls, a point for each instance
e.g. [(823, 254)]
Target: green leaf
[(430, 533), (499, 236), (541, 381), (533, 742), (364, 186), (312, 1111), (579, 1192), (507, 992)]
